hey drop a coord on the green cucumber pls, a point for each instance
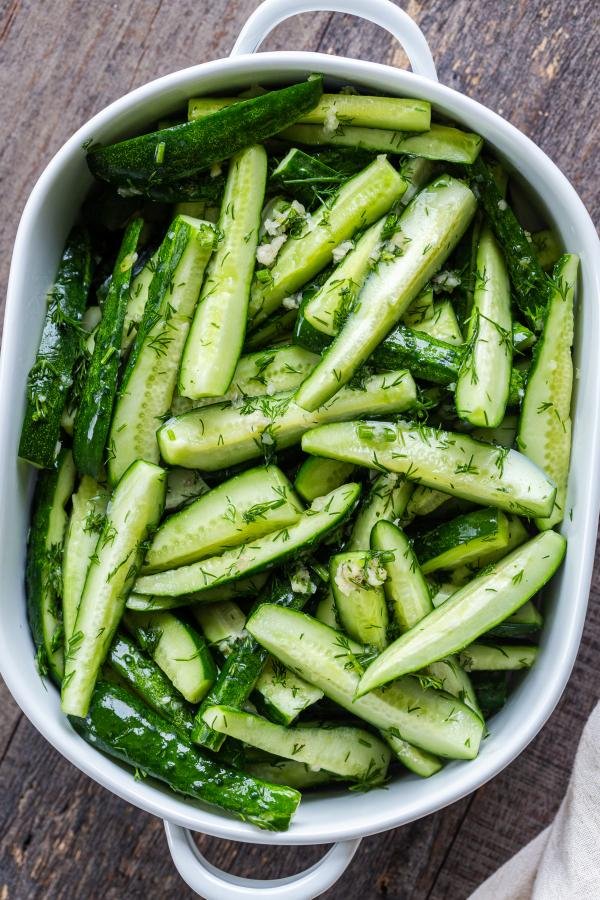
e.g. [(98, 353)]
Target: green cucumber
[(184, 150), (440, 142), (425, 356), (325, 310), (532, 288), (544, 432), (134, 511), (243, 667), (387, 499), (218, 436), (416, 172), (242, 589), (149, 380), (424, 717), (177, 649), (304, 177), (43, 568), (265, 372), (497, 658), (183, 486), (442, 325), (483, 384), (356, 581), (216, 336), (453, 679), (282, 695), (359, 202), (421, 309), (276, 329), (423, 237), (222, 624), (526, 621), (451, 462), (85, 524), (350, 752), (238, 510), (424, 501), (480, 605), (462, 540), (414, 758), (492, 691), (143, 676), (522, 336), (317, 477), (136, 304), (92, 422), (50, 377), (287, 772), (547, 248), (262, 553), (371, 112), (517, 535), (406, 590), (119, 724)]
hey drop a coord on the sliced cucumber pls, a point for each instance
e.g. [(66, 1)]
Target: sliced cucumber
[(177, 649), (180, 152), (350, 752), (215, 340), (471, 611), (517, 535), (414, 758), (442, 325), (50, 376), (387, 499), (357, 583), (405, 588), (313, 525), (121, 725), (317, 477), (92, 422), (425, 501), (287, 772), (265, 372), (238, 510), (138, 297), (325, 310), (85, 524), (149, 379), (451, 462), (462, 540), (544, 433), (376, 112), (183, 485), (483, 385), (133, 513), (422, 239), (219, 436), (242, 589), (43, 568), (547, 247), (281, 695), (143, 676), (440, 142), (275, 330), (526, 621), (497, 658), (421, 309), (359, 202), (453, 679), (416, 172), (222, 624), (424, 717)]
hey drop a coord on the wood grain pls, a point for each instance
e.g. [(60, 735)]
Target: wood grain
[(533, 61)]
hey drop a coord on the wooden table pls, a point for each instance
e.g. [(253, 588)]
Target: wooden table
[(533, 61)]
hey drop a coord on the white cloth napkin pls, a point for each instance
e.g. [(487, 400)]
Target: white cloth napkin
[(563, 862)]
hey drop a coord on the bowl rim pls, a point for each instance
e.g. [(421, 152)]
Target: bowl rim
[(462, 779)]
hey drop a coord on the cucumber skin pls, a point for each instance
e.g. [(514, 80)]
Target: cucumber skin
[(452, 534), (50, 376), (92, 422), (196, 145), (241, 669), (119, 724), (531, 285), (36, 571), (149, 682)]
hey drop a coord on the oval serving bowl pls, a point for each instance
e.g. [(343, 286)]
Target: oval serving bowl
[(48, 215)]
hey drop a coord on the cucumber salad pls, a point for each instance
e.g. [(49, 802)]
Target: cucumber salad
[(301, 415)]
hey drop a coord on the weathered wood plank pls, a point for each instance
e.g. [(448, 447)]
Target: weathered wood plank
[(62, 835)]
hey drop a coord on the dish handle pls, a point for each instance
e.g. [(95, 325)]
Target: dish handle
[(215, 884), (382, 12)]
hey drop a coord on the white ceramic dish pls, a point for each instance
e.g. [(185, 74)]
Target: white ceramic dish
[(50, 211)]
